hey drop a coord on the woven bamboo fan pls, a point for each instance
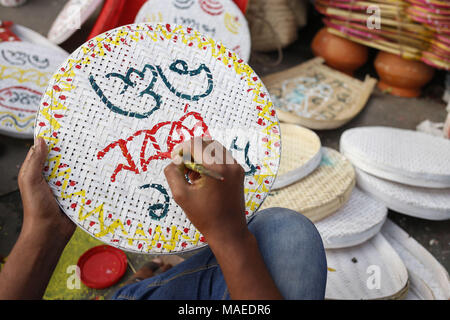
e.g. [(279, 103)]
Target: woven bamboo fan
[(419, 262), (321, 193), (369, 271), (404, 156), (301, 154), (425, 203), (116, 109), (71, 17), (28, 35), (357, 221), (221, 20), (25, 70), (316, 96), (274, 23)]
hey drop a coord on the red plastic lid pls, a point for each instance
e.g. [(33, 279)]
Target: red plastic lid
[(102, 266)]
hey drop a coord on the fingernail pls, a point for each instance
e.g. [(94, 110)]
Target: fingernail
[(157, 260), (177, 160)]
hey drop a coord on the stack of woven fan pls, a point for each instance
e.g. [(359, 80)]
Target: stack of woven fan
[(413, 29), (368, 256)]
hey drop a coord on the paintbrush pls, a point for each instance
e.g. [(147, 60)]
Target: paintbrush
[(202, 170), (196, 167)]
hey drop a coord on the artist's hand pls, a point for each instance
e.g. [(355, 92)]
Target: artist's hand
[(41, 213), (215, 207)]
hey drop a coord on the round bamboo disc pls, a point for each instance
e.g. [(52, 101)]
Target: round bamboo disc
[(321, 193), (357, 221), (404, 156), (301, 154)]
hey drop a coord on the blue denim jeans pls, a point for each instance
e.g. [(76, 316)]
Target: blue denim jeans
[(291, 248)]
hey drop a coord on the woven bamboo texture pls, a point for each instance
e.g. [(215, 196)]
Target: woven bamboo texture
[(321, 193)]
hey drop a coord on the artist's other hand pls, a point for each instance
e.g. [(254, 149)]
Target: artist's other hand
[(41, 213), (215, 207)]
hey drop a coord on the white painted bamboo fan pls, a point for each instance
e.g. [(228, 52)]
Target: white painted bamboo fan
[(71, 17), (425, 203), (357, 221), (118, 106), (404, 156), (221, 20)]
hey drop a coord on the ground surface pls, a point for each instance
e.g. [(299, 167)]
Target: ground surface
[(382, 109)]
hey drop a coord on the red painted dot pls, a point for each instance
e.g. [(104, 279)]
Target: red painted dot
[(265, 139), (150, 231), (91, 223), (78, 66), (46, 168), (158, 245), (110, 215), (72, 183), (246, 213), (184, 244), (56, 149), (58, 183), (186, 230), (41, 124), (128, 222), (45, 104), (267, 181), (88, 202), (202, 239), (258, 196), (168, 229), (250, 182), (55, 134), (58, 116), (56, 88), (73, 205), (62, 97), (62, 69), (139, 245)]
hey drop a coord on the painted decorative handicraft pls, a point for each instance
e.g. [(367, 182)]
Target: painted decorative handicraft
[(25, 70), (119, 105), (221, 20), (316, 96)]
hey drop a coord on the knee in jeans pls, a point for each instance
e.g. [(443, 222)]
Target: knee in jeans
[(287, 222)]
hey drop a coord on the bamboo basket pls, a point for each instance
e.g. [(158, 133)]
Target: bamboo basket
[(274, 23)]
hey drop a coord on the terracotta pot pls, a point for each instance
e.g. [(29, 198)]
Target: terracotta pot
[(401, 77), (339, 53)]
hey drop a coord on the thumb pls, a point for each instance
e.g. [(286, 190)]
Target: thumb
[(31, 170)]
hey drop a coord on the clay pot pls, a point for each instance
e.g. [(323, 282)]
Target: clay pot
[(401, 77), (339, 53)]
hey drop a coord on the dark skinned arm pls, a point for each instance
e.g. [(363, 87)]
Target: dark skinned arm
[(45, 232), (217, 209)]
